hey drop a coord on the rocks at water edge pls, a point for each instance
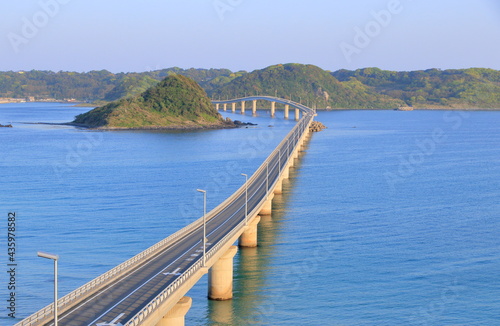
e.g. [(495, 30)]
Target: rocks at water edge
[(316, 126), (6, 126), (243, 124)]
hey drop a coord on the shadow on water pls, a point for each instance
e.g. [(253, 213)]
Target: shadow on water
[(251, 304)]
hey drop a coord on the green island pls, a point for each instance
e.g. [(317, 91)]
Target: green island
[(177, 102), (369, 88)]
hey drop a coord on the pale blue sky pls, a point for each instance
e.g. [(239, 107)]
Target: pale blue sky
[(124, 35)]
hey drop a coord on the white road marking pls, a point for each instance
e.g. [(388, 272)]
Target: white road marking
[(114, 322), (174, 272), (126, 297)]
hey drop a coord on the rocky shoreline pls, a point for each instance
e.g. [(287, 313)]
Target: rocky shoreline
[(316, 126)]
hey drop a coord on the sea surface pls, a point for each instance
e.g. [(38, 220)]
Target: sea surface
[(390, 217)]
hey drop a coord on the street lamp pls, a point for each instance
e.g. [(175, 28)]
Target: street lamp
[(204, 225), (55, 258), (246, 197)]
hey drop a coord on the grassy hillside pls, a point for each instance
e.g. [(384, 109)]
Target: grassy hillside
[(177, 102), (466, 88), (363, 88), (306, 83), (94, 85)]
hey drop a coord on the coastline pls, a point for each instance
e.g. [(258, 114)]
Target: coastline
[(442, 108), (158, 128), (414, 109)]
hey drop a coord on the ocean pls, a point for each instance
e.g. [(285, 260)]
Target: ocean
[(390, 217)]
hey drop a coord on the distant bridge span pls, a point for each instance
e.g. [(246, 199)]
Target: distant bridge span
[(288, 103), (149, 289)]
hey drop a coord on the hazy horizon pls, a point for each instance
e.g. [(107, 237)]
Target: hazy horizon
[(249, 71), (123, 36)]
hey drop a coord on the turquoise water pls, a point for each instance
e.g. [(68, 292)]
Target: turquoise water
[(390, 218)]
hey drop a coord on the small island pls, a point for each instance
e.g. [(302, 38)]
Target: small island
[(176, 103)]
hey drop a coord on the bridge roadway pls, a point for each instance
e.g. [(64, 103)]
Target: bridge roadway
[(123, 298)]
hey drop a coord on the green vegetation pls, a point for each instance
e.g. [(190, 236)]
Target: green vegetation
[(467, 88), (363, 88), (306, 83), (94, 85), (177, 102)]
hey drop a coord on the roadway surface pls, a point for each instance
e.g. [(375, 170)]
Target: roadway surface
[(125, 297)]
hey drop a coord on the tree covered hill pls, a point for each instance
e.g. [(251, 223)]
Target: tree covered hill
[(177, 102), (94, 85), (363, 88), (306, 83), (465, 88)]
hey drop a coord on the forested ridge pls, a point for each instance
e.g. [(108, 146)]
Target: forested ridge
[(363, 88)]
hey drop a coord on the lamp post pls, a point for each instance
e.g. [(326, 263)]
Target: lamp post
[(204, 225), (55, 258), (246, 197)]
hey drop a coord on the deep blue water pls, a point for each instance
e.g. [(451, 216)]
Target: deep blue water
[(391, 218)]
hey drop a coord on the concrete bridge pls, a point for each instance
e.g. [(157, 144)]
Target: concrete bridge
[(253, 99), (149, 289)]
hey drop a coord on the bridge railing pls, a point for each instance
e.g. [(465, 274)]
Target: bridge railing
[(101, 281), (296, 132)]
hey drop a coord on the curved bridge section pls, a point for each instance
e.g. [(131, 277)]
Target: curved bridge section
[(149, 288), (288, 103)]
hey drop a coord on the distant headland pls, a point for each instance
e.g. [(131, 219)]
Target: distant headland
[(368, 88)]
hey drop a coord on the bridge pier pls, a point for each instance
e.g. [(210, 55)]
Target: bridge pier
[(225, 106), (220, 277), (278, 189), (233, 108), (217, 107), (254, 107), (297, 114), (273, 109), (175, 317), (248, 238), (296, 152), (242, 107), (287, 111), (286, 172), (267, 208)]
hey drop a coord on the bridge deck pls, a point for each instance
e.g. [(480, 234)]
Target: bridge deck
[(145, 281)]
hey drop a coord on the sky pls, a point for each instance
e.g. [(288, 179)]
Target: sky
[(136, 36)]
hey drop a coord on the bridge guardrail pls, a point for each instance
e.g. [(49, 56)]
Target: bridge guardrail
[(158, 300), (101, 281)]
